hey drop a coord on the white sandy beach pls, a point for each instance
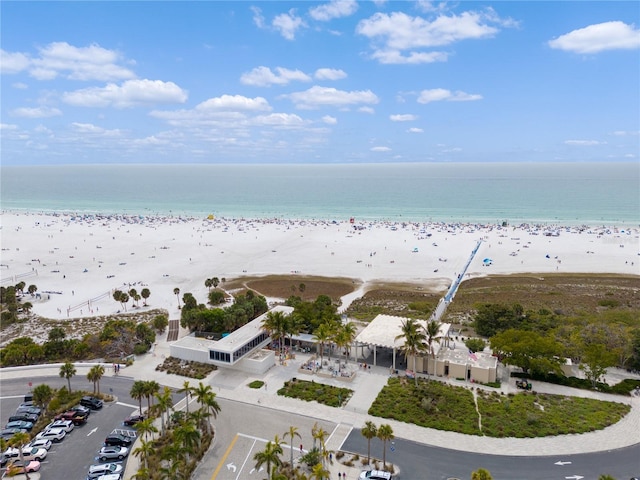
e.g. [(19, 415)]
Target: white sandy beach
[(77, 262)]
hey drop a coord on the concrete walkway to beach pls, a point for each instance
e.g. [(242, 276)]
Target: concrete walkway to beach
[(366, 386)]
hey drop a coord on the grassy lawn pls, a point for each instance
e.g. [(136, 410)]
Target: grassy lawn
[(319, 392), (444, 407)]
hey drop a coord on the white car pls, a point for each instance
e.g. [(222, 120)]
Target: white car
[(54, 434), (28, 453), (375, 475), (99, 470), (112, 453), (66, 425), (40, 443)]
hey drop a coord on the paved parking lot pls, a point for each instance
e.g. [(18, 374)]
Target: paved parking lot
[(72, 457)]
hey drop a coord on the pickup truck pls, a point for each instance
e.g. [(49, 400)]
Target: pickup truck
[(524, 384), (78, 418)]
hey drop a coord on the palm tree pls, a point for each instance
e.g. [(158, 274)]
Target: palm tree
[(151, 388), (207, 400), (138, 392), (291, 433), (133, 293), (432, 334), (188, 436), (176, 292), (414, 340), (95, 374), (145, 427), (67, 371), (269, 456), (369, 431), (42, 395), (345, 336), (215, 281), (187, 390), (208, 282), (276, 324), (144, 451), (318, 472), (385, 433), (145, 293), (482, 474), (322, 335), (165, 402), (19, 440)]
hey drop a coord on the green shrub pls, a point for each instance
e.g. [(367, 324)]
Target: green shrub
[(256, 384)]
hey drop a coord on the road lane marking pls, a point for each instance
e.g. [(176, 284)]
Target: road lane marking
[(245, 459), (224, 457)]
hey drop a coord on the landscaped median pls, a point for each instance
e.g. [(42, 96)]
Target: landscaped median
[(313, 391), (437, 405)]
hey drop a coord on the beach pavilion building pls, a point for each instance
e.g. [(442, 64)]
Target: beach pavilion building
[(450, 358), (241, 350)]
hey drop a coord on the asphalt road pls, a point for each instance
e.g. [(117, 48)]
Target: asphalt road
[(242, 429), (417, 461)]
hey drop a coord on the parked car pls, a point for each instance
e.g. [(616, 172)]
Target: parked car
[(375, 475), (40, 443), (133, 419), (66, 425), (78, 418), (54, 434), (7, 433), (20, 424), (28, 454), (112, 453), (24, 417), (81, 409), (17, 466), (29, 409), (96, 471), (524, 384), (111, 476), (116, 439), (91, 402)]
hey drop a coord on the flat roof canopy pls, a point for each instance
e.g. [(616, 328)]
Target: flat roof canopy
[(383, 330)]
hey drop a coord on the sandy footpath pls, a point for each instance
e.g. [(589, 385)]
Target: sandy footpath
[(77, 262)]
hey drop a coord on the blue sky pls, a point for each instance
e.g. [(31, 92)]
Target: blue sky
[(319, 82)]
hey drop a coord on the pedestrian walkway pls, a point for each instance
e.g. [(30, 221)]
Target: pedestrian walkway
[(366, 385)]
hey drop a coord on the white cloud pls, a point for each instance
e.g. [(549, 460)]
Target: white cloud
[(322, 96), (330, 74), (368, 110), (278, 120), (395, 57), (380, 149), (234, 103), (258, 18), (37, 112), (598, 38), (394, 33), (8, 126), (13, 62), (623, 133), (415, 130), (584, 143), (329, 120), (264, 76), (333, 9), (130, 94), (288, 24), (403, 118), (441, 94), (78, 63), (20, 86)]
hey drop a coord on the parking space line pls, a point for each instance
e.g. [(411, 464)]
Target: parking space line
[(245, 459), (224, 457)]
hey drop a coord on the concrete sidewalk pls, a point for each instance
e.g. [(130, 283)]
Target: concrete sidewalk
[(366, 385)]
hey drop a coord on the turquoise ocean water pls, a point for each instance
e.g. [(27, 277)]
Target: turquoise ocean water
[(562, 193)]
